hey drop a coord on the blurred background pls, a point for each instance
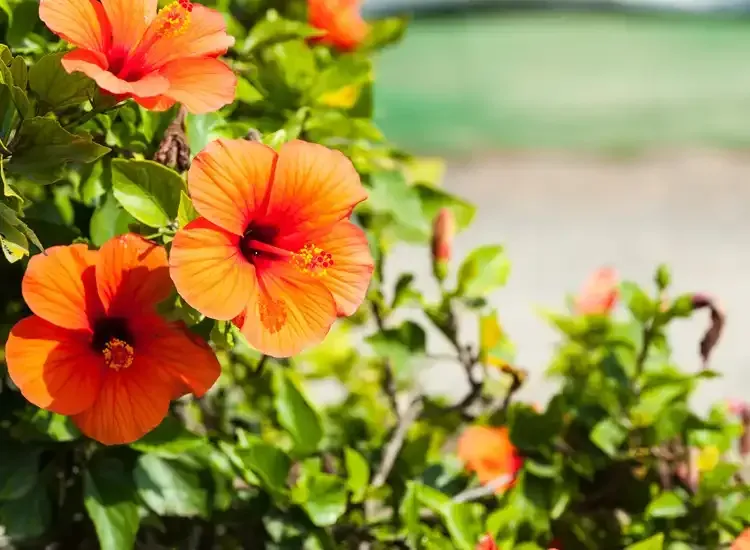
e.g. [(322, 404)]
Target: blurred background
[(588, 134)]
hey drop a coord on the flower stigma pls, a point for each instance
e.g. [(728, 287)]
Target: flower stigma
[(312, 260), (118, 354)]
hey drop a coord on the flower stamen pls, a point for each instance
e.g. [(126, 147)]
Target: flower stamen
[(173, 19), (118, 354), (312, 260)]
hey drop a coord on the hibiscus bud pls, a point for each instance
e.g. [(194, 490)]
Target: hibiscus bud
[(444, 229), (600, 293), (487, 543)]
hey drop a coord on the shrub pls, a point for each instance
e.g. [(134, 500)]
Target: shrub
[(184, 261)]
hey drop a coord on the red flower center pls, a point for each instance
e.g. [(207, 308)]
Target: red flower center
[(113, 339)]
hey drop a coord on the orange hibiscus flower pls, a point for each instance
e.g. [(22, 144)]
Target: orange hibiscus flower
[(599, 295), (742, 542), (341, 20), (489, 452), (274, 250), (95, 349), (156, 59)]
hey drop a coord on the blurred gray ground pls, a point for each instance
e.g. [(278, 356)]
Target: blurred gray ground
[(562, 216)]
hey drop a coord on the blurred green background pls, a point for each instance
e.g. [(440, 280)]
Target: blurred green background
[(473, 82)]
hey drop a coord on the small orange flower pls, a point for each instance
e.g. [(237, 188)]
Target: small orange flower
[(95, 349), (489, 452), (131, 51), (599, 295), (487, 543), (274, 250), (742, 542), (341, 20)]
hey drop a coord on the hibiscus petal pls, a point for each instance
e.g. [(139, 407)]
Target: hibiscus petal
[(83, 23), (131, 403), (54, 368), (94, 66), (132, 275), (167, 345), (352, 265), (205, 36), (60, 286), (129, 20), (202, 85), (229, 181), (313, 187), (209, 270), (289, 312)]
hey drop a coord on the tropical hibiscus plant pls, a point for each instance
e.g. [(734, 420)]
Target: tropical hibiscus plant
[(205, 345)]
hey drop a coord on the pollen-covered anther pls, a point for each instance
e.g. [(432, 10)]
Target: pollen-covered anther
[(118, 354), (174, 19), (312, 260), (273, 314)]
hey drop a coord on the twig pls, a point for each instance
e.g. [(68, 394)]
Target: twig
[(393, 447), (485, 490), (174, 150)]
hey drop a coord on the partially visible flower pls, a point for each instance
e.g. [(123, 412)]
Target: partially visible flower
[(274, 250), (488, 452), (95, 348), (443, 232), (742, 542), (487, 543), (158, 59), (341, 20), (736, 407), (600, 293)]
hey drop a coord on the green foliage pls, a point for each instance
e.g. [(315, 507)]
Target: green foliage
[(616, 459)]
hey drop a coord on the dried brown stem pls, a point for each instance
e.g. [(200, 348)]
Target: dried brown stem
[(174, 150), (718, 319)]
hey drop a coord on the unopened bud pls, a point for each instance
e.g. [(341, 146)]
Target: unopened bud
[(487, 543), (444, 229), (600, 293)]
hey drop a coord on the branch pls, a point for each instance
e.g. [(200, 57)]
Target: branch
[(485, 490), (393, 447), (174, 150)]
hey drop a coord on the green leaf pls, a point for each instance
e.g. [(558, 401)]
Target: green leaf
[(654, 400), (358, 474), (14, 243), (666, 505), (323, 496), (9, 220), (295, 413), (109, 220), (27, 517), (43, 148), (433, 199), (391, 194), (110, 499), (149, 191), (409, 513), (56, 87), (18, 471), (186, 212), (170, 439), (347, 71), (463, 524), (5, 7), (495, 348), (270, 464), (169, 487), (608, 435), (385, 32), (20, 72), (54, 426), (274, 29), (530, 429), (400, 345), (652, 543), (640, 305), (484, 270)]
